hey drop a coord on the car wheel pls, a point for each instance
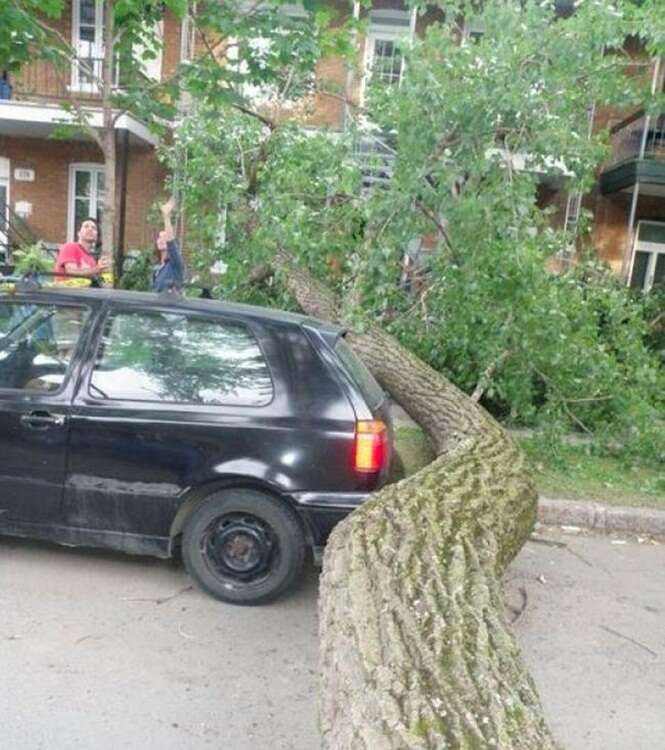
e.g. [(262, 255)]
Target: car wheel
[(243, 547)]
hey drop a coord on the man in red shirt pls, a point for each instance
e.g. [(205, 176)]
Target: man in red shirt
[(76, 257)]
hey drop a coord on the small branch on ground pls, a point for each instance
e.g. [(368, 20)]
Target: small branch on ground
[(628, 638), (160, 600)]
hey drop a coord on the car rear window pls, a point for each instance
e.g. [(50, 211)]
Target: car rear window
[(146, 356), (361, 376)]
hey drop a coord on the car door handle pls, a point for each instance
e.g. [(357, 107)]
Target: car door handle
[(42, 420)]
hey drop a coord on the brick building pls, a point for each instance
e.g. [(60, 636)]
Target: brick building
[(45, 185)]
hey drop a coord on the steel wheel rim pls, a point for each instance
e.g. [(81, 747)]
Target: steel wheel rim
[(239, 548)]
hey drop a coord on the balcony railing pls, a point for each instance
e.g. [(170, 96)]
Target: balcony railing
[(376, 158), (41, 80), (639, 136), (15, 232)]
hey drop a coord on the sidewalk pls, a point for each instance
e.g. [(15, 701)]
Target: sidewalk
[(589, 514)]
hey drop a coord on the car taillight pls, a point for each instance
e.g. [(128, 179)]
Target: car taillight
[(371, 446)]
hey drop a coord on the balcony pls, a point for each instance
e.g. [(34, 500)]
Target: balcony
[(31, 101), (44, 82), (638, 155)]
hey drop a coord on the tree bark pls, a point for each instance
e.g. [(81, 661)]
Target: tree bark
[(107, 134), (414, 648)]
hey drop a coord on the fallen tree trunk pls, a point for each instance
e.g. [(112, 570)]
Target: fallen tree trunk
[(414, 648)]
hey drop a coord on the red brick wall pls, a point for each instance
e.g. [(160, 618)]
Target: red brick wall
[(610, 235), (49, 193), (171, 53), (145, 178)]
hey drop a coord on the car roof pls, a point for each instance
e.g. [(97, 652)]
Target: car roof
[(177, 302)]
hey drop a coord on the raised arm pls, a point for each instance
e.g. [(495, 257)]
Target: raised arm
[(167, 210)]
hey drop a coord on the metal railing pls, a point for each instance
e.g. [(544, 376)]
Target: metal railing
[(376, 159), (639, 136), (15, 232)]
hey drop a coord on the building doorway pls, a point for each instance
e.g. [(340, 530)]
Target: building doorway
[(648, 266), (86, 195)]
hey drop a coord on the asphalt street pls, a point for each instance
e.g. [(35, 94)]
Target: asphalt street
[(104, 651)]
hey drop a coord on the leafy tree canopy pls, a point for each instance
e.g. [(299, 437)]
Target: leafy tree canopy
[(478, 130)]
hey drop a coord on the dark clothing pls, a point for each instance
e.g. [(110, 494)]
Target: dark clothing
[(169, 275)]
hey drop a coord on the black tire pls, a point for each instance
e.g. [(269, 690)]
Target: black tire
[(243, 546)]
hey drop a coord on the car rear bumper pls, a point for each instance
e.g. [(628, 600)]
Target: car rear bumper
[(346, 501), (321, 511)]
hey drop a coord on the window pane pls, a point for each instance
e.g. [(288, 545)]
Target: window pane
[(82, 183), (86, 41), (652, 233), (659, 274), (182, 359), (81, 211), (3, 208), (387, 62), (639, 270), (87, 12), (36, 344), (101, 192)]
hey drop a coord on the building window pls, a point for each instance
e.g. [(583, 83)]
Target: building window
[(384, 62), (88, 41), (149, 57), (648, 267), (187, 29), (86, 195), (4, 211)]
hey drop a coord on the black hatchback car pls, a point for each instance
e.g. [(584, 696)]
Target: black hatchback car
[(151, 424)]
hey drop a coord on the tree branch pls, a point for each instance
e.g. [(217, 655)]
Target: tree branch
[(486, 377)]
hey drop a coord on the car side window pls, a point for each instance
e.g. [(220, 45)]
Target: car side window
[(152, 356), (37, 341)]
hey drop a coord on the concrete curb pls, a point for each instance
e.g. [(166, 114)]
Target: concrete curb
[(605, 518)]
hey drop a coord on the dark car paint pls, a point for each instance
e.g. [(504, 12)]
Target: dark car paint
[(116, 473)]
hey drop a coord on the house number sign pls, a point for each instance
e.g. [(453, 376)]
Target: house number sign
[(24, 175)]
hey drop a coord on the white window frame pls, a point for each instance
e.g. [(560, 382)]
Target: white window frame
[(187, 29), (653, 248), (5, 181), (401, 29), (97, 50), (71, 205), (152, 68)]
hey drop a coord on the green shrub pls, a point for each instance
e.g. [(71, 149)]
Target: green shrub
[(32, 259), (138, 275)]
